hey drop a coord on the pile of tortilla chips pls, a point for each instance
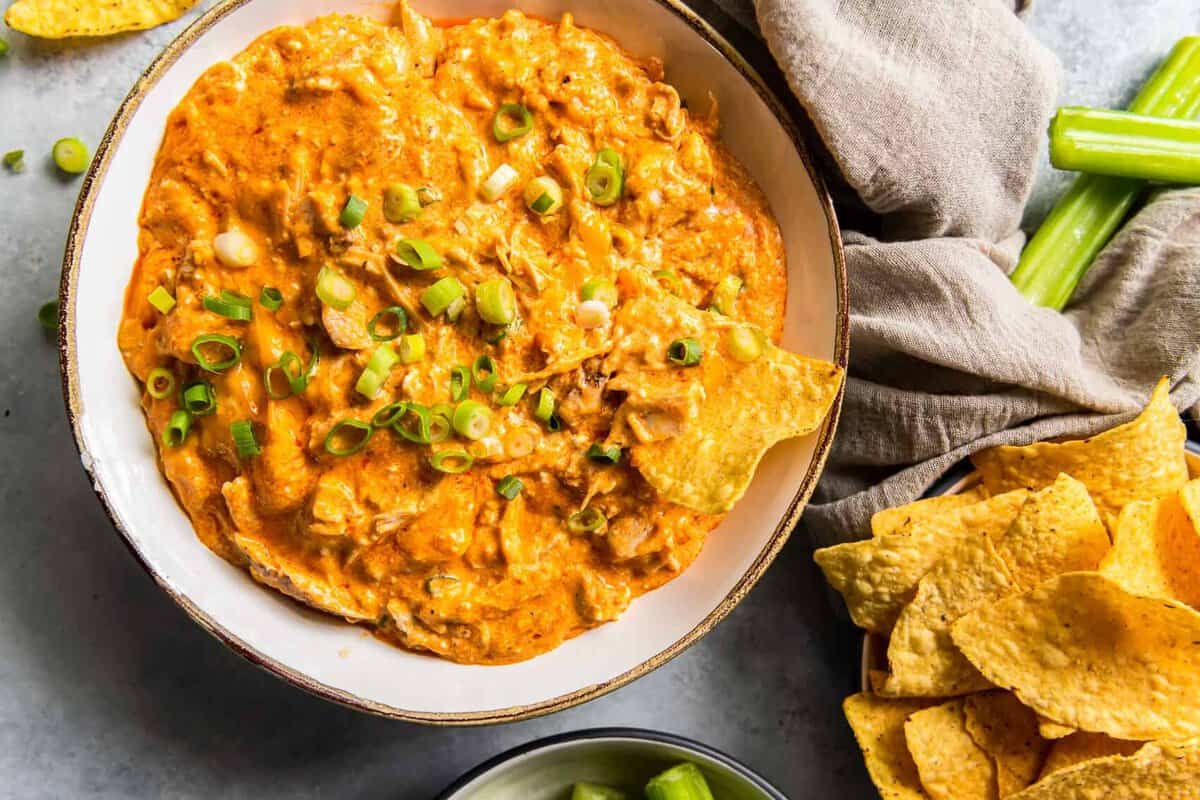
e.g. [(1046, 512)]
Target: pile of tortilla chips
[(1043, 641), (58, 19)]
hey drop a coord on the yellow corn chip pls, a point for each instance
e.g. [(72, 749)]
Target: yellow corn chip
[(878, 577), (1158, 771), (1081, 650), (879, 728), (1081, 746), (1056, 531), (1049, 729), (1008, 732), (1156, 551), (58, 19), (924, 661), (898, 519), (1140, 460), (951, 766)]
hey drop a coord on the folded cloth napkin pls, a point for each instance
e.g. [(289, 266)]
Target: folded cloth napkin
[(934, 113)]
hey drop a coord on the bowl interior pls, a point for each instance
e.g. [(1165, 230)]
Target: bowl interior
[(326, 655)]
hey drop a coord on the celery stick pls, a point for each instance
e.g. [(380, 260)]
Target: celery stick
[(594, 791), (682, 782), (1085, 218), (1126, 144)]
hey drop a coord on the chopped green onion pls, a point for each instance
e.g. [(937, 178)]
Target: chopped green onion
[(421, 433), (347, 437), (472, 419), (418, 254), (375, 374), (71, 155), (543, 195), (397, 327), (47, 315), (511, 120), (230, 305), (223, 342), (334, 289), (383, 359), (401, 203), (390, 414), (292, 368), (681, 782), (15, 159), (498, 182), (460, 383), (1129, 145), (483, 372), (313, 362), (670, 281), (601, 289), (353, 212), (544, 408), (605, 181), (509, 487), (412, 348), (243, 438), (3, 47), (199, 398), (177, 428), (455, 309), (494, 334), (438, 297), (512, 395), (440, 422), (270, 298), (685, 352), (428, 195), (554, 424), (160, 383), (724, 298), (594, 791), (496, 302), (451, 462), (162, 300), (598, 452), (588, 520), (745, 343)]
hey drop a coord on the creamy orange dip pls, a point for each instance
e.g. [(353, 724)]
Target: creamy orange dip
[(265, 169)]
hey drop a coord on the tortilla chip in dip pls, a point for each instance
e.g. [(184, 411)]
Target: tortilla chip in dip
[(1081, 746), (949, 762), (58, 19), (1140, 460), (900, 518), (1156, 551), (1007, 731), (878, 727), (1158, 771), (1081, 650)]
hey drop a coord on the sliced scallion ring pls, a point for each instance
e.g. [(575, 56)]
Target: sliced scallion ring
[(472, 419), (670, 281), (543, 195), (389, 332), (554, 424), (334, 289), (511, 120), (460, 383), (230, 305), (452, 462), (685, 352), (270, 298), (199, 398), (411, 348), (353, 212), (440, 422), (601, 289), (48, 315), (160, 383), (745, 343), (606, 454), (483, 373), (498, 182), (437, 298), (588, 520), (418, 254), (177, 428), (347, 437), (512, 395), (242, 431), (544, 407), (413, 423), (390, 414), (509, 487), (724, 297), (605, 180), (223, 342), (162, 300), (375, 374), (401, 203), (496, 302), (71, 155), (292, 369)]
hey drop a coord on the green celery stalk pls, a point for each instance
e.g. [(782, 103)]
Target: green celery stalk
[(594, 791), (1126, 144), (682, 782), (1085, 218)]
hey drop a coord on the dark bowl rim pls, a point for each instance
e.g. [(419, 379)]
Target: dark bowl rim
[(637, 734)]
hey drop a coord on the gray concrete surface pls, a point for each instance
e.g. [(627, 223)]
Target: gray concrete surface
[(108, 690)]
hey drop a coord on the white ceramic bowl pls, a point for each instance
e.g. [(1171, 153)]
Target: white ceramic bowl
[(327, 656)]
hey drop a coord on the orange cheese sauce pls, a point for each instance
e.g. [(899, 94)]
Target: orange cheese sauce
[(271, 145)]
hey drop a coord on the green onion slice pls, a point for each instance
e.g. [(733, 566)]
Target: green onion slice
[(438, 297), (270, 298), (554, 424), (292, 369), (543, 195), (199, 398), (509, 487), (685, 352), (231, 305), (353, 212), (162, 300), (14, 159), (160, 383), (314, 361), (544, 408), (390, 414), (670, 281), (418, 254), (440, 422), (460, 383), (745, 343), (177, 428), (452, 462), (601, 289), (588, 520), (605, 180), (428, 195), (411, 348), (483, 372), (401, 203), (71, 155), (494, 334), (347, 437), (414, 423), (375, 374), (598, 452), (242, 431), (496, 302), (334, 289), (511, 120), (472, 419), (392, 331), (47, 315), (222, 342), (724, 297), (455, 309), (512, 395)]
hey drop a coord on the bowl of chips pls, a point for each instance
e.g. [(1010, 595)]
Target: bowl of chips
[(1031, 631)]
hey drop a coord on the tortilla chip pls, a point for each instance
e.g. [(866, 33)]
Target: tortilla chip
[(1008, 732), (1057, 530), (1080, 747), (1081, 650), (878, 726), (924, 661), (1156, 551), (951, 766), (1049, 729), (878, 577), (898, 519), (1158, 771), (1140, 460), (58, 19)]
